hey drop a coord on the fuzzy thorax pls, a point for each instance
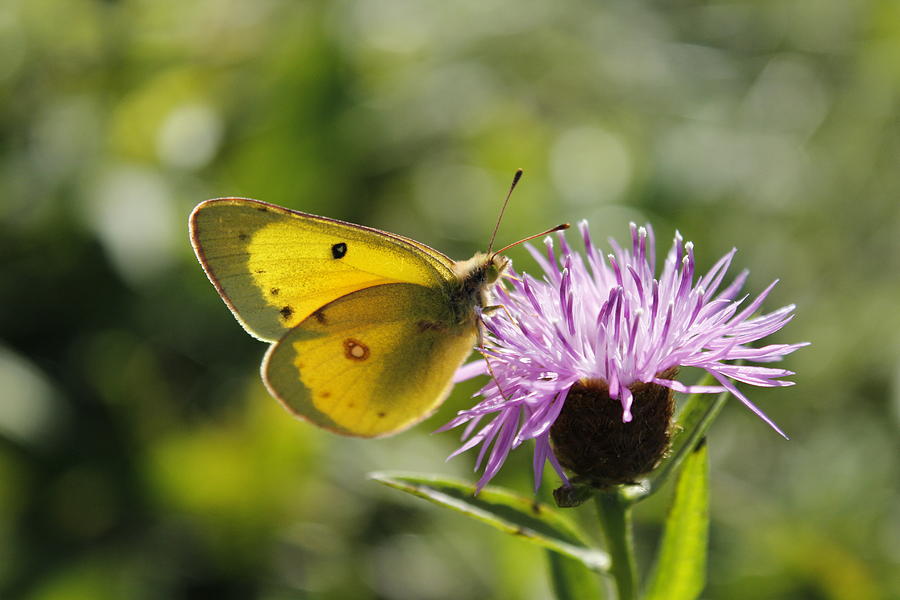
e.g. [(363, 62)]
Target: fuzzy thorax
[(474, 277)]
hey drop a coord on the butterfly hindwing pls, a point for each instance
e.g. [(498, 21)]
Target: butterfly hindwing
[(370, 363), (274, 266)]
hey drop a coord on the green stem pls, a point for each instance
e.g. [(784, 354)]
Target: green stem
[(615, 519)]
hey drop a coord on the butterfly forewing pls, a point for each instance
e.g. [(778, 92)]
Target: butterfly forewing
[(274, 267)]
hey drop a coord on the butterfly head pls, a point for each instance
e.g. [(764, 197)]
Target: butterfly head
[(493, 266), (481, 270)]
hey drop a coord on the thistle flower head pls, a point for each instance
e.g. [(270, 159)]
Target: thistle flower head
[(583, 361)]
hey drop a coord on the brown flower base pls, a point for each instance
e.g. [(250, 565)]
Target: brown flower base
[(590, 439)]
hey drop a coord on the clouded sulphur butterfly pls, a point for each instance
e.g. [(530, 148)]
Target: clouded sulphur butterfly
[(367, 327)]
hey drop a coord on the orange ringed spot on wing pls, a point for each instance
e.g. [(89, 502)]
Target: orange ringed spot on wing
[(355, 349)]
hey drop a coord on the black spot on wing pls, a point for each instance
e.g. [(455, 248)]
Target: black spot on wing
[(243, 237), (339, 250), (274, 291), (286, 312)]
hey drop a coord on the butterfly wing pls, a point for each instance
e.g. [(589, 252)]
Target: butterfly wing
[(274, 266), (370, 363)]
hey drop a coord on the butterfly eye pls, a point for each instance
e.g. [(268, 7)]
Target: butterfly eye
[(339, 250)]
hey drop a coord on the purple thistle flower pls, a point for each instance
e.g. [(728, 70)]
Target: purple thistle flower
[(595, 330)]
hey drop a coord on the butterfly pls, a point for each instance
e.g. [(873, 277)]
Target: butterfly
[(366, 327)]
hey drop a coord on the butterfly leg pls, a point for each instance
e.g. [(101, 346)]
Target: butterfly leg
[(487, 361), (494, 307), (488, 309)]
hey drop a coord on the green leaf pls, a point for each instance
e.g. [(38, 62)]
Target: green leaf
[(693, 421), (523, 517), (572, 580), (680, 571)]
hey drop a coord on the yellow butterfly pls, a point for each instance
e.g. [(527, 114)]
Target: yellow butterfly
[(367, 327)]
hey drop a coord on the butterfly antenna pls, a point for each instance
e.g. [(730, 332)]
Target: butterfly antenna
[(559, 227), (515, 181)]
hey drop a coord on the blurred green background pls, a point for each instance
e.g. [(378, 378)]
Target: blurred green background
[(140, 456)]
